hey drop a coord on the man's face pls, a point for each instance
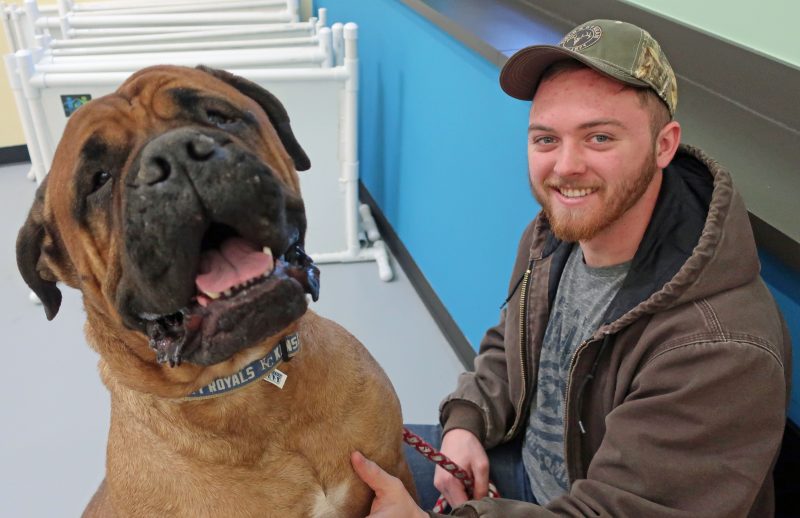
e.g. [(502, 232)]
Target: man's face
[(591, 154)]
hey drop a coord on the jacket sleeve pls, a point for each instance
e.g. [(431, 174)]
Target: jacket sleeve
[(481, 402), (696, 436)]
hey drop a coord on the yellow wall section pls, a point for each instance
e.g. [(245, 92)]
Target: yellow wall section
[(10, 126)]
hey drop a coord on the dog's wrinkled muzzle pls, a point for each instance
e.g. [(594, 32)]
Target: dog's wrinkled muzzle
[(212, 247)]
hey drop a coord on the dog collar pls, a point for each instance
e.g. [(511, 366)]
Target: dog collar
[(259, 369)]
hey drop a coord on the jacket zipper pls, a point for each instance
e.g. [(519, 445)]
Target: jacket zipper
[(565, 415), (523, 357), (572, 363)]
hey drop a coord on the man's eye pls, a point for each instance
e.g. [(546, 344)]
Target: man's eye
[(543, 140), (99, 179), (600, 139)]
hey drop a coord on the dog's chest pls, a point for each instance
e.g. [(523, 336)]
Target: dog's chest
[(331, 503)]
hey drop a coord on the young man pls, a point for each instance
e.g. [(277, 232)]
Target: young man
[(641, 366)]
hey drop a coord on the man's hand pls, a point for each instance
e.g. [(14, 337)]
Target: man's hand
[(466, 450), (391, 497)]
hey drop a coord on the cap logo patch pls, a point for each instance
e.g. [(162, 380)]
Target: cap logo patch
[(582, 38)]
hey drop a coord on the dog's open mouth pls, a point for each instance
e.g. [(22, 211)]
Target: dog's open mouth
[(244, 294)]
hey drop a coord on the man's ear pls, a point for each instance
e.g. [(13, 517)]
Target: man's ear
[(275, 111), (31, 242), (667, 142)]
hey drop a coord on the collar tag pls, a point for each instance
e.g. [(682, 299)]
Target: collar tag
[(276, 377), (265, 368)]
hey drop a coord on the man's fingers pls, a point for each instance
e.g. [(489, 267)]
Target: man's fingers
[(391, 497), (481, 481), (480, 489), (466, 450), (371, 473), (452, 488), (366, 470), (455, 493)]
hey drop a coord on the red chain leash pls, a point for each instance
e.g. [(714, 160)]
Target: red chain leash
[(430, 453)]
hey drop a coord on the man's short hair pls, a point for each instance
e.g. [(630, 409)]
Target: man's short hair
[(648, 99)]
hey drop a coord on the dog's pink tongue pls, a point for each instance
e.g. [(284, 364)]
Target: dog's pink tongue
[(236, 262)]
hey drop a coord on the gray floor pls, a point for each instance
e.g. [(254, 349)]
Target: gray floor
[(55, 410)]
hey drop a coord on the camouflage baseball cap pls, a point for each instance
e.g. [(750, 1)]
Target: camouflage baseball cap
[(619, 50)]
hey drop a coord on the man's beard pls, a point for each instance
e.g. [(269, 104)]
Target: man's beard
[(578, 224)]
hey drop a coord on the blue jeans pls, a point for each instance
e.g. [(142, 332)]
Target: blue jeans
[(506, 470)]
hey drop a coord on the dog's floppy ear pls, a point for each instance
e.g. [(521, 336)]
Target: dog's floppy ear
[(30, 245), (275, 111)]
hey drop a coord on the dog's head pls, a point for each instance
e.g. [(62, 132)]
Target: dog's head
[(174, 206)]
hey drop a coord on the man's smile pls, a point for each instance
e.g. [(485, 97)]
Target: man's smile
[(573, 193)]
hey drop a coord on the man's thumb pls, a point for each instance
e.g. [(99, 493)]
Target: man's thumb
[(369, 472)]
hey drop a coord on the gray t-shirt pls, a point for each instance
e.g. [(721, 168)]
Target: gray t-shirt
[(584, 294)]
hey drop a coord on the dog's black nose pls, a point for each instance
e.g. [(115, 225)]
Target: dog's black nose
[(201, 147), (154, 170), (161, 157)]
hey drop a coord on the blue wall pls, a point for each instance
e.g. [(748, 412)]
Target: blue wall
[(437, 140), (785, 286), (443, 152)]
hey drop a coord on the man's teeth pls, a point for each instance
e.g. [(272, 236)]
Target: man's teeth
[(575, 193)]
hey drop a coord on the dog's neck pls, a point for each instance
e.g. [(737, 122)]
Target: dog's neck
[(265, 368), (218, 423), (128, 363)]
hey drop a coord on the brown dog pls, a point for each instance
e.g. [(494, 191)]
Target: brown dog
[(174, 206)]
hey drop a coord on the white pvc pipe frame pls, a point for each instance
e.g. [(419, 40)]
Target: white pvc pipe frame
[(22, 31), (5, 19), (280, 30), (87, 7), (28, 127), (316, 52), (31, 13), (349, 166), (96, 38), (133, 20), (320, 55), (81, 34), (208, 44), (171, 7), (238, 11), (71, 25), (28, 69), (27, 60)]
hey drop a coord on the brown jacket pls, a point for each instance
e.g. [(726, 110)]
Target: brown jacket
[(681, 393)]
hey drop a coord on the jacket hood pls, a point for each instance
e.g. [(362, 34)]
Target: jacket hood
[(724, 256), (699, 242)]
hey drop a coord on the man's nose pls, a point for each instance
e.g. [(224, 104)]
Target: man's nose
[(570, 160)]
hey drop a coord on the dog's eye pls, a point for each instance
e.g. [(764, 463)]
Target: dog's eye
[(220, 119), (99, 179)]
